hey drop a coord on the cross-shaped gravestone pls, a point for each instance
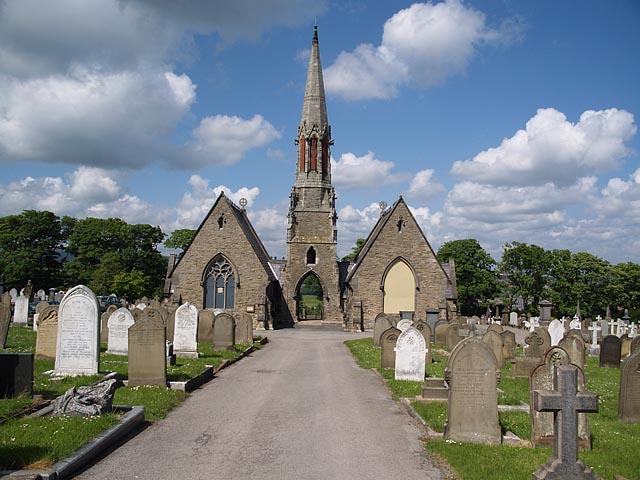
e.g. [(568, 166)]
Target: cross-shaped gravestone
[(612, 327), (535, 342), (565, 402), (594, 329)]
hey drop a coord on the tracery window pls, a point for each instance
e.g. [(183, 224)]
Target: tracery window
[(219, 285)]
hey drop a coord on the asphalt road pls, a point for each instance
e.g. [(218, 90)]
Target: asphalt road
[(300, 408)]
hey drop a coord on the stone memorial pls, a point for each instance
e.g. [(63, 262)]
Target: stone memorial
[(629, 400), (508, 345), (432, 318), (566, 402), (493, 340), (545, 312), (495, 327), (78, 342), (41, 295), (513, 319), (147, 352), (224, 332), (473, 375), (118, 329), (137, 313), (104, 327), (411, 351), (20, 310), (244, 327), (625, 346), (185, 334), (16, 375), (388, 346), (604, 327), (610, 351), (533, 356), (205, 326), (5, 318), (453, 336), (635, 344), (13, 293), (47, 337), (381, 323), (575, 347), (440, 333), (424, 328), (556, 331), (542, 422), (404, 324), (544, 334)]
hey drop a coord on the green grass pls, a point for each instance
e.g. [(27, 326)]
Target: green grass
[(615, 444)]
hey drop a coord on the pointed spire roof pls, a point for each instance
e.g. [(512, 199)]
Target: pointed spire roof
[(314, 108)]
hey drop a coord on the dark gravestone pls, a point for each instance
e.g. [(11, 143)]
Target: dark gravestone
[(224, 332), (565, 402), (432, 318), (5, 319), (473, 375), (205, 326), (147, 352), (440, 333), (629, 401), (610, 351), (381, 323), (542, 422), (508, 345), (16, 375), (388, 345)]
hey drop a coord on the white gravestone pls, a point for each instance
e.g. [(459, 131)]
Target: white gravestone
[(404, 324), (595, 328), (556, 331), (13, 293), (36, 317), (185, 334), (411, 350), (604, 326), (575, 323), (41, 295), (21, 310), (620, 327), (633, 330), (513, 319), (118, 326), (141, 306), (78, 346)]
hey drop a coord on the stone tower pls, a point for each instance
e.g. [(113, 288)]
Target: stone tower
[(311, 231)]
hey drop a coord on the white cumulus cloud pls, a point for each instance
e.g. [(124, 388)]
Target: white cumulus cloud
[(351, 171), (423, 186)]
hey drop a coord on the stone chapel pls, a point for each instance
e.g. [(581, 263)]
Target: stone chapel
[(226, 266)]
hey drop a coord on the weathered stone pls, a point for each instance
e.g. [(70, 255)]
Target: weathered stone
[(610, 351), (5, 320), (544, 334), (453, 336), (508, 345), (629, 400), (635, 344), (224, 332), (424, 328), (388, 345), (625, 346), (205, 326), (147, 352), (244, 327), (523, 366), (411, 350), (20, 310), (441, 332), (185, 334), (495, 327), (16, 375), (473, 374), (87, 401), (381, 323), (118, 329), (493, 340), (404, 324), (535, 344), (575, 347), (47, 337)]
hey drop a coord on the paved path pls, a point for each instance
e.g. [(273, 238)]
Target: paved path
[(298, 409)]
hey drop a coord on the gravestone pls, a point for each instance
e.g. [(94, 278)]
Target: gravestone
[(432, 318), (535, 344), (137, 313), (41, 306), (493, 340), (575, 347), (604, 326), (168, 317), (495, 327), (5, 318), (13, 293), (440, 333), (556, 331), (542, 422), (118, 329), (78, 343), (147, 352), (471, 327), (205, 326), (545, 312), (424, 328), (185, 334), (508, 345), (566, 403), (104, 327), (625, 346), (610, 351), (533, 356), (41, 295), (224, 332), (635, 344), (388, 346), (20, 310), (47, 337), (595, 329), (544, 334), (16, 375), (244, 327), (453, 336), (473, 375), (411, 351), (629, 400), (381, 323), (404, 324), (513, 319)]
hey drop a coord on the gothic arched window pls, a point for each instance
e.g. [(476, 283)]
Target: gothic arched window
[(311, 256), (219, 285)]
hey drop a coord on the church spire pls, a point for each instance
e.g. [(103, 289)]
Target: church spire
[(314, 109)]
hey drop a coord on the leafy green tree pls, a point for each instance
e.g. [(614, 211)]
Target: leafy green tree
[(30, 246), (356, 249), (526, 268), (593, 283), (560, 281), (131, 285), (475, 276), (102, 277), (627, 277), (180, 239)]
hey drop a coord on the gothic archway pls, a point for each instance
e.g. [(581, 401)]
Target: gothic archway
[(310, 298), (219, 284), (399, 287)]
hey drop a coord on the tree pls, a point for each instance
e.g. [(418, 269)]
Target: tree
[(30, 246), (180, 239), (593, 283), (627, 277), (131, 285), (476, 280), (356, 250), (526, 268)]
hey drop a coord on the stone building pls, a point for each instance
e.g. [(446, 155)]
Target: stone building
[(227, 267)]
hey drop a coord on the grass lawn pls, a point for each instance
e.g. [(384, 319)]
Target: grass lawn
[(37, 443), (615, 444)]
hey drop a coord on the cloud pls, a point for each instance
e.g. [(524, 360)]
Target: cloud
[(352, 172), (353, 224), (421, 46), (423, 187), (551, 149)]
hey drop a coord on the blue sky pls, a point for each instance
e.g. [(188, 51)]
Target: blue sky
[(496, 120)]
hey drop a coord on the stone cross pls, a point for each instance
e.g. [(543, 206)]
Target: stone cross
[(595, 328), (620, 327), (565, 402), (612, 325)]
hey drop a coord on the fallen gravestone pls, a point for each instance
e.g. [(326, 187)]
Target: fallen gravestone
[(185, 334), (473, 375), (224, 332), (147, 352), (388, 346), (118, 329), (90, 400), (629, 401), (610, 351), (411, 350)]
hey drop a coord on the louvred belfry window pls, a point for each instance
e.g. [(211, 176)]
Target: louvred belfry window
[(303, 149), (314, 154), (325, 156)]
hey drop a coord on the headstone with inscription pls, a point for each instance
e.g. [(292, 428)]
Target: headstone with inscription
[(185, 333), (47, 337), (629, 400), (147, 352), (118, 329), (388, 346), (473, 375), (224, 332), (411, 350), (610, 351), (544, 334), (78, 343), (381, 323), (205, 326)]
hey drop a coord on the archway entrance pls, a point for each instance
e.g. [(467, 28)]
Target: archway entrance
[(310, 299), (399, 288)]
